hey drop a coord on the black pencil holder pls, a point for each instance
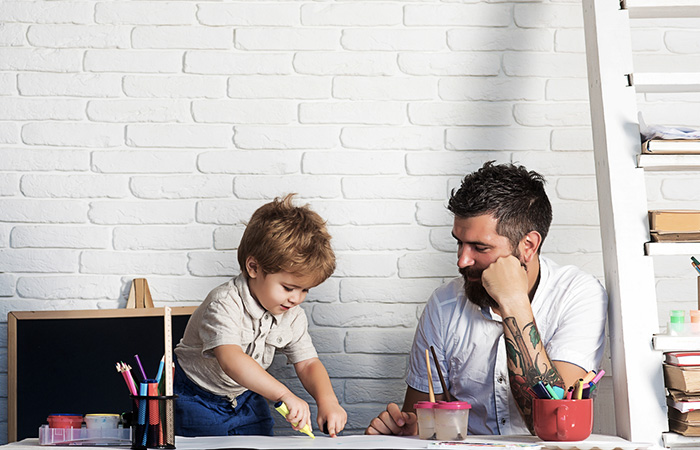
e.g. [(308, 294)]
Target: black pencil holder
[(153, 422)]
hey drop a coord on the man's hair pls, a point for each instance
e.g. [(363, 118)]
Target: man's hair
[(514, 196), (284, 237)]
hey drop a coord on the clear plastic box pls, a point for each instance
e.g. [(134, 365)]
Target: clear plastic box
[(84, 436)]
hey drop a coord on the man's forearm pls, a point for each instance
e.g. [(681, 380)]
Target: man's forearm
[(528, 363)]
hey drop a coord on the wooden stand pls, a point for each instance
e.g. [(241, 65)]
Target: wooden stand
[(139, 295)]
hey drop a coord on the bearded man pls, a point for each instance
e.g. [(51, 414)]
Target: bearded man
[(514, 317)]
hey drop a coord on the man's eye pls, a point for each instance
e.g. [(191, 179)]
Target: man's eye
[(481, 249)]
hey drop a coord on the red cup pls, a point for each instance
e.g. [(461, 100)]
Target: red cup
[(562, 420), (65, 420)]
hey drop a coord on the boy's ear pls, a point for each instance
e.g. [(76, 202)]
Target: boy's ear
[(252, 267)]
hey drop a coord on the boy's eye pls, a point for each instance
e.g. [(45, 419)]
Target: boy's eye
[(288, 289)]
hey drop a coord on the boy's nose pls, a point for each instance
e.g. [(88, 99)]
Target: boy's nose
[(294, 297)]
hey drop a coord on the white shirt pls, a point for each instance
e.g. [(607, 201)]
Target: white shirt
[(570, 309), (230, 315)]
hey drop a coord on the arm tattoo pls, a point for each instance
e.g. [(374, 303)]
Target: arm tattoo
[(524, 368)]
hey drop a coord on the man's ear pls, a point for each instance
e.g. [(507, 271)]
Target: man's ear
[(529, 245), (252, 267)]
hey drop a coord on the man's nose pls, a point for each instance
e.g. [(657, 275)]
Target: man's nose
[(464, 258)]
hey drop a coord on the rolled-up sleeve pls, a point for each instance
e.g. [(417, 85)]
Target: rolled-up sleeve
[(298, 344)]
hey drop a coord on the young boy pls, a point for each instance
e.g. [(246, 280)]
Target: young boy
[(230, 340)]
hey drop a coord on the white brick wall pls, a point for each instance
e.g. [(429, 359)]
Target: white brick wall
[(137, 139)]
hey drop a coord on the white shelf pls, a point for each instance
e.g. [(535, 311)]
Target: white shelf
[(668, 162), (671, 248), (675, 440), (649, 9), (666, 343), (666, 82)]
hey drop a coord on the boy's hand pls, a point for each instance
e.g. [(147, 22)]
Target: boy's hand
[(299, 412), (332, 415)]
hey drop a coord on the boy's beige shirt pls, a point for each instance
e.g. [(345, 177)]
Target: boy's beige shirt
[(230, 315)]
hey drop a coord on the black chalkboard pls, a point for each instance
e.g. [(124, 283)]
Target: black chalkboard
[(64, 361)]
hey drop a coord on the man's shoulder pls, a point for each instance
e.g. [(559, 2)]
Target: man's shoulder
[(565, 271), (448, 296), (449, 290), (570, 278)]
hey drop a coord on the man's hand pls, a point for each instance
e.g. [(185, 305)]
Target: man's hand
[(394, 421), (506, 282)]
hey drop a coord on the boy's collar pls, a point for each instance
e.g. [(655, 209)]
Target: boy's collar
[(252, 306)]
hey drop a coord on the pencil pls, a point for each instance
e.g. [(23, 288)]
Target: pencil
[(143, 373), (160, 369), (126, 380), (130, 379), (430, 376)]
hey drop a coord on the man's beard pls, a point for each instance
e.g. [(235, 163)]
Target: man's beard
[(475, 291)]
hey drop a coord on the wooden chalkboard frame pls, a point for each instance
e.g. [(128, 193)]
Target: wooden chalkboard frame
[(16, 320)]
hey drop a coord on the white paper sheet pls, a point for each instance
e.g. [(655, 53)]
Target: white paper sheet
[(594, 442)]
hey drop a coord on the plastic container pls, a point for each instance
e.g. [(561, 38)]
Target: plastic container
[(425, 411), (676, 326), (451, 420), (65, 420), (695, 321), (82, 436), (95, 421)]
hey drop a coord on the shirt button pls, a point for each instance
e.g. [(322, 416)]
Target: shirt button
[(257, 356), (503, 421), (501, 379), (279, 339)]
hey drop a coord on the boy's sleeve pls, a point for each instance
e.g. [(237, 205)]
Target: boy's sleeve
[(299, 346), (221, 325)]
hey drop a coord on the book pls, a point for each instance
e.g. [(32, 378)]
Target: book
[(682, 358), (684, 428), (689, 416), (684, 379), (682, 401), (671, 146), (675, 236), (483, 445), (674, 220)]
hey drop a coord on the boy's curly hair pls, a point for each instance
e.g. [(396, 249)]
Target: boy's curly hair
[(284, 237)]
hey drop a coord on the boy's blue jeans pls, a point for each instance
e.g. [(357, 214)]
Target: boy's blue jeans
[(201, 413)]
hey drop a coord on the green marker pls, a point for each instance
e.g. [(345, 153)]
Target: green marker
[(551, 391)]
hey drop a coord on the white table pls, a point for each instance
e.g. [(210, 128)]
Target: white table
[(600, 442)]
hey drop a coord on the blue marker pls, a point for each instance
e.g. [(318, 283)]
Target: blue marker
[(541, 391)]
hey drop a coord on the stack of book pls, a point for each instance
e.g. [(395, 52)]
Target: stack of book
[(682, 379), (671, 146), (679, 225)]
